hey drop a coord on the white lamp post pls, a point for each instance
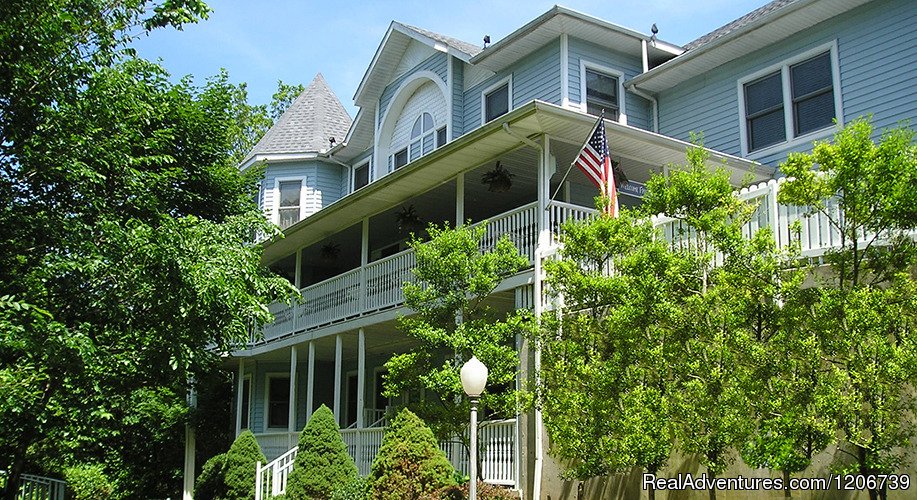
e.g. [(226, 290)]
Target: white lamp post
[(474, 378)]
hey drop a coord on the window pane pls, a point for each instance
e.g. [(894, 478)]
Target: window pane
[(289, 193), (601, 86), (418, 127), (401, 158), (415, 151), (361, 176), (278, 409), (427, 122), (288, 217), (763, 94), (811, 76), (766, 129), (441, 137), (246, 396), (595, 108), (496, 103), (814, 113)]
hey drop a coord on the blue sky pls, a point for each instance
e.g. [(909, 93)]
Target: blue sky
[(261, 41)]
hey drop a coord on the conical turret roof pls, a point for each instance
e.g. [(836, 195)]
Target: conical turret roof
[(305, 127)]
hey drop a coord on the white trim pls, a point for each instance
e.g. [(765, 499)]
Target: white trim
[(583, 66), (399, 99), (564, 70), (377, 121), (784, 68), (278, 158), (275, 208), (267, 400), (450, 85), (508, 81)]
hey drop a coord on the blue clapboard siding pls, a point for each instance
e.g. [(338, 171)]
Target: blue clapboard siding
[(435, 63), (458, 97), (877, 52), (537, 76), (637, 108), (323, 183)]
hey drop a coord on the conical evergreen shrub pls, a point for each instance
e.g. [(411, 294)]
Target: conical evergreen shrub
[(211, 482), (322, 463), (409, 463), (240, 467)]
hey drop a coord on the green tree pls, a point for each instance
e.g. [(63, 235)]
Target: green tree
[(409, 463), (863, 315), (210, 483), (126, 262), (610, 338), (454, 322), (322, 463), (239, 468)]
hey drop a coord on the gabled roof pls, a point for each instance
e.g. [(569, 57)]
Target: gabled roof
[(396, 40), (305, 127), (557, 20), (758, 29)]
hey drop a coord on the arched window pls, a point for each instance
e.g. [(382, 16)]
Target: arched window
[(422, 125), (422, 137)]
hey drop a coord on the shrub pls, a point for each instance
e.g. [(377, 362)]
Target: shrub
[(88, 482), (210, 484), (239, 475), (322, 462), (356, 489), (409, 463), (485, 492)]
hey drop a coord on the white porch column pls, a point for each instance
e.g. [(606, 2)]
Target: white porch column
[(240, 382), (364, 259), (310, 381), (291, 426), (361, 379), (544, 240), (298, 278), (190, 450), (459, 200), (338, 352)]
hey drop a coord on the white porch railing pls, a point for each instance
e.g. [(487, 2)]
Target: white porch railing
[(378, 285), (32, 487), (275, 444), (497, 440)]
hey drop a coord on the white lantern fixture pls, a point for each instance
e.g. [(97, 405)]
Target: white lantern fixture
[(474, 379)]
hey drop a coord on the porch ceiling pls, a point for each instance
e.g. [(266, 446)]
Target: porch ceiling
[(484, 145)]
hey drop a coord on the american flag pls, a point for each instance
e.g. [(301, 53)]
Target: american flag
[(595, 162)]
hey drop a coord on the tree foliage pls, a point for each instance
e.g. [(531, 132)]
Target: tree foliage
[(454, 322), (410, 463), (126, 262), (322, 463), (712, 340)]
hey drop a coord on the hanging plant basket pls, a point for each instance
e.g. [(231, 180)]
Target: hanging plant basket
[(408, 221), (330, 252), (498, 180)]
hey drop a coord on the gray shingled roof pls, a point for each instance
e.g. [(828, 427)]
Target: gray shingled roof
[(471, 50), (306, 125), (738, 23)]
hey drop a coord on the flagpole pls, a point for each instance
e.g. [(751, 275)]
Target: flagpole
[(559, 186)]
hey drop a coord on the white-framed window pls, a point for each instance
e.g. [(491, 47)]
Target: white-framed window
[(246, 405), (790, 103), (361, 175), (441, 138), (497, 99), (277, 401), (602, 88), (422, 136), (398, 160), (288, 196)]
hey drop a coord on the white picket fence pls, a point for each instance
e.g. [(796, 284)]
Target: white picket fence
[(497, 440)]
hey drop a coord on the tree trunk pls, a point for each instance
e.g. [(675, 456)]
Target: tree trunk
[(786, 485)]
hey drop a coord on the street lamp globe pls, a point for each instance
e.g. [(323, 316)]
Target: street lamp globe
[(474, 377)]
